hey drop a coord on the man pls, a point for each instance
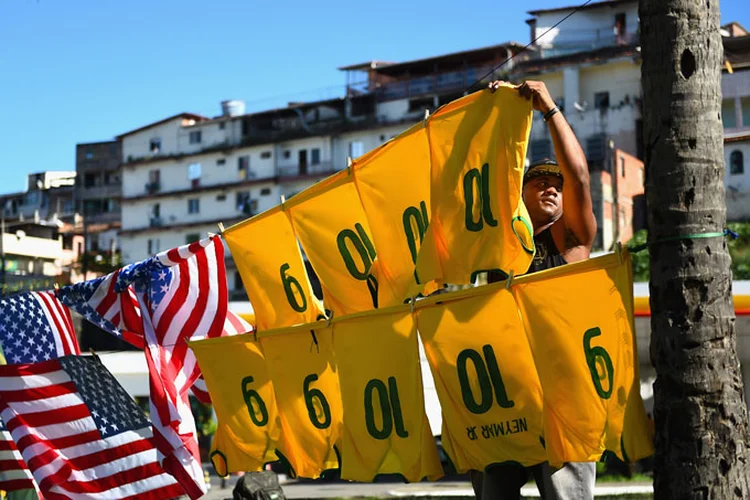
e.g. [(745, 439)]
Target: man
[(563, 233)]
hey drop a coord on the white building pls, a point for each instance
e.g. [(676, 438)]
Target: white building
[(735, 114)]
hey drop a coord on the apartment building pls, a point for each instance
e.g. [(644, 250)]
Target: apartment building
[(735, 114), (97, 195)]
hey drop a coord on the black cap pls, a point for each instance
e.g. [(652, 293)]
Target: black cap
[(542, 167)]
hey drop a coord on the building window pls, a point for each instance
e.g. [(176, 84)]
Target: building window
[(287, 154), (194, 206), (153, 246), (315, 156), (745, 107), (736, 163), (192, 238), (89, 180), (221, 197), (194, 171), (265, 155), (243, 201), (89, 154), (356, 149), (154, 145), (265, 191), (243, 166), (382, 138), (622, 167), (195, 137), (154, 184), (222, 125), (601, 100), (728, 116), (156, 210), (221, 161)]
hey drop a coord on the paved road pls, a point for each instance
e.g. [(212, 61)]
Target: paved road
[(453, 489)]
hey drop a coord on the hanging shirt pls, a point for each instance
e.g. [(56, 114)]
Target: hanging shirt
[(579, 321), (243, 398), (386, 430), (306, 383), (485, 377), (268, 259), (478, 221)]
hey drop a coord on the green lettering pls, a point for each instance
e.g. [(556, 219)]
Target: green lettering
[(250, 396), (390, 409), (486, 206), (471, 178), (289, 283), (321, 409), (485, 386), (595, 355)]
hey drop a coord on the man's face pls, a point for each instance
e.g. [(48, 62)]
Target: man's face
[(543, 198)]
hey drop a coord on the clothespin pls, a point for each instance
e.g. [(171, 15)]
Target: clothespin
[(221, 229), (509, 280), (412, 302), (426, 114), (315, 341), (94, 355), (618, 250), (283, 200), (328, 322), (349, 165)]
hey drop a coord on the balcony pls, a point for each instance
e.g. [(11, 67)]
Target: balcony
[(155, 222), (293, 171), (594, 41), (153, 187), (439, 82), (31, 246)]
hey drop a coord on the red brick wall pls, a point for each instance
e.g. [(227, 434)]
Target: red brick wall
[(628, 180)]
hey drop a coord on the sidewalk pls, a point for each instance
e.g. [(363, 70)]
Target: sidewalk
[(423, 491)]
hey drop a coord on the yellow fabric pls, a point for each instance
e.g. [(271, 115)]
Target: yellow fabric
[(306, 381), (385, 426), (237, 379), (268, 259), (394, 186), (480, 339), (478, 222), (335, 235), (579, 321)]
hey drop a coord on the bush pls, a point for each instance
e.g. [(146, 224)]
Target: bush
[(739, 250)]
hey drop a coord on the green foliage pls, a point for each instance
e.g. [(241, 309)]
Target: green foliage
[(739, 250), (205, 422)]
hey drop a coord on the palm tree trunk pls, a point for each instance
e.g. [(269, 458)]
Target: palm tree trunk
[(701, 417)]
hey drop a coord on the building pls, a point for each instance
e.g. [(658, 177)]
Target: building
[(97, 195), (183, 175), (735, 115)]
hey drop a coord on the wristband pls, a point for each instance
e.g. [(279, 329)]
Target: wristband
[(549, 114)]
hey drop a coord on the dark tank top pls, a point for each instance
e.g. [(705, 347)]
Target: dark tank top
[(547, 256)]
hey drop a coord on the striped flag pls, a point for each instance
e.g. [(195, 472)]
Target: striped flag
[(182, 295), (14, 474), (34, 326), (110, 302), (80, 432)]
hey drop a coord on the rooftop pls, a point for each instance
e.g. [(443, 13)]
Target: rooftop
[(594, 5), (188, 116)]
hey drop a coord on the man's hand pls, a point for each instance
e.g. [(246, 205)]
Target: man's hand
[(539, 95)]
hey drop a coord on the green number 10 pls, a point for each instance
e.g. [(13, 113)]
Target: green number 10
[(390, 409), (364, 247), (488, 376)]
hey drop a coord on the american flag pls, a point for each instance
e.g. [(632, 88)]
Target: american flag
[(14, 474), (182, 294), (34, 326), (110, 302), (80, 432)]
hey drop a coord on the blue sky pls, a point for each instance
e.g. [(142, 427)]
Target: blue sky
[(79, 71)]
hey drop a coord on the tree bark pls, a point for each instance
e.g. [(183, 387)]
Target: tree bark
[(700, 414)]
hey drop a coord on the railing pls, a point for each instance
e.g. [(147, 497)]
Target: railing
[(155, 222), (597, 41), (450, 80), (153, 187), (302, 170)]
